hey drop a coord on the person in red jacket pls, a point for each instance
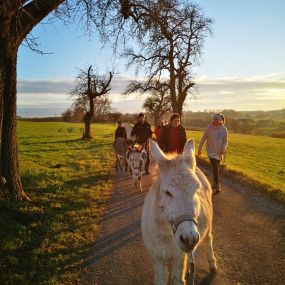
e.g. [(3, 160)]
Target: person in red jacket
[(158, 130), (173, 137)]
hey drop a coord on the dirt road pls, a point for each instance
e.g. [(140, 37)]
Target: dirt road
[(249, 239)]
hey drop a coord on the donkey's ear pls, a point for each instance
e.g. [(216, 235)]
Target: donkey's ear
[(157, 153), (128, 153), (189, 151)]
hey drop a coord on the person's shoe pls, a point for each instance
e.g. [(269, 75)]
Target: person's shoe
[(218, 189)]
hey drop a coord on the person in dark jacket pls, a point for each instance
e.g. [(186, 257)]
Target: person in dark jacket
[(142, 133), (120, 131), (173, 137)]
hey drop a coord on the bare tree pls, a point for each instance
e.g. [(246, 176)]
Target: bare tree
[(171, 38), (170, 34), (102, 108), (158, 102), (17, 19), (67, 115), (90, 86), (157, 105), (143, 18)]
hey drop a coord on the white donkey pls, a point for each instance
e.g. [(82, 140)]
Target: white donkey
[(177, 216), (136, 157)]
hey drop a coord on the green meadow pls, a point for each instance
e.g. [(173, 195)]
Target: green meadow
[(256, 160), (47, 240)]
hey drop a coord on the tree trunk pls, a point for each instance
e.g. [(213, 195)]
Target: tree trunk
[(177, 108), (9, 151), (2, 80), (89, 115), (87, 121)]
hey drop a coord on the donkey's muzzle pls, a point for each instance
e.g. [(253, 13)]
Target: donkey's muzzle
[(189, 242)]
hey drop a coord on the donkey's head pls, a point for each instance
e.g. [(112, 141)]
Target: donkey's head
[(178, 199)]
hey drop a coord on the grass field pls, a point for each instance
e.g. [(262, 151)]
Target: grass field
[(47, 241), (257, 160)]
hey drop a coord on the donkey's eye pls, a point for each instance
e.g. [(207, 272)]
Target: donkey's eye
[(169, 194)]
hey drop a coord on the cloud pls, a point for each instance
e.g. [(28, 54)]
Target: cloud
[(57, 85), (263, 92)]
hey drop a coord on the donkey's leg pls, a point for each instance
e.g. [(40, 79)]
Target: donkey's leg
[(140, 184), (137, 184), (210, 253), (126, 166), (117, 162), (121, 164), (179, 264), (190, 274), (160, 272)]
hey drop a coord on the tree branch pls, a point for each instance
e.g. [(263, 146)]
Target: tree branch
[(32, 13)]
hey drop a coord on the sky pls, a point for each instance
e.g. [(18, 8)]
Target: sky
[(242, 66)]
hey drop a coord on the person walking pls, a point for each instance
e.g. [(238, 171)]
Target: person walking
[(173, 136), (120, 131), (216, 138), (142, 133), (158, 130)]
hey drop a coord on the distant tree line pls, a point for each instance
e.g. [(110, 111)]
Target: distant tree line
[(104, 113), (256, 122), (270, 123), (76, 113)]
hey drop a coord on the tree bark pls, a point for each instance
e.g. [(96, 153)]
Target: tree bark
[(2, 80), (177, 107), (87, 121), (89, 115), (9, 150)]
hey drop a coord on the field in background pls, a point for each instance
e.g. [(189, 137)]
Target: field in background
[(257, 160), (69, 180), (260, 123)]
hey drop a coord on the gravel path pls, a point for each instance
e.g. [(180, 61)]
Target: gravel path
[(249, 239)]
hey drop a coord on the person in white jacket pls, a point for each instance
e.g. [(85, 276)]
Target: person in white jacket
[(216, 138)]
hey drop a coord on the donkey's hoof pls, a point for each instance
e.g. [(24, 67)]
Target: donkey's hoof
[(190, 280), (2, 181), (214, 270)]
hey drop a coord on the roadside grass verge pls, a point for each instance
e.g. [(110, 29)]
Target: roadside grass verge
[(257, 161), (47, 240)]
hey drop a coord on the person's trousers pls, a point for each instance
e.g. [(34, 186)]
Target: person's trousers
[(148, 158), (215, 163)]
